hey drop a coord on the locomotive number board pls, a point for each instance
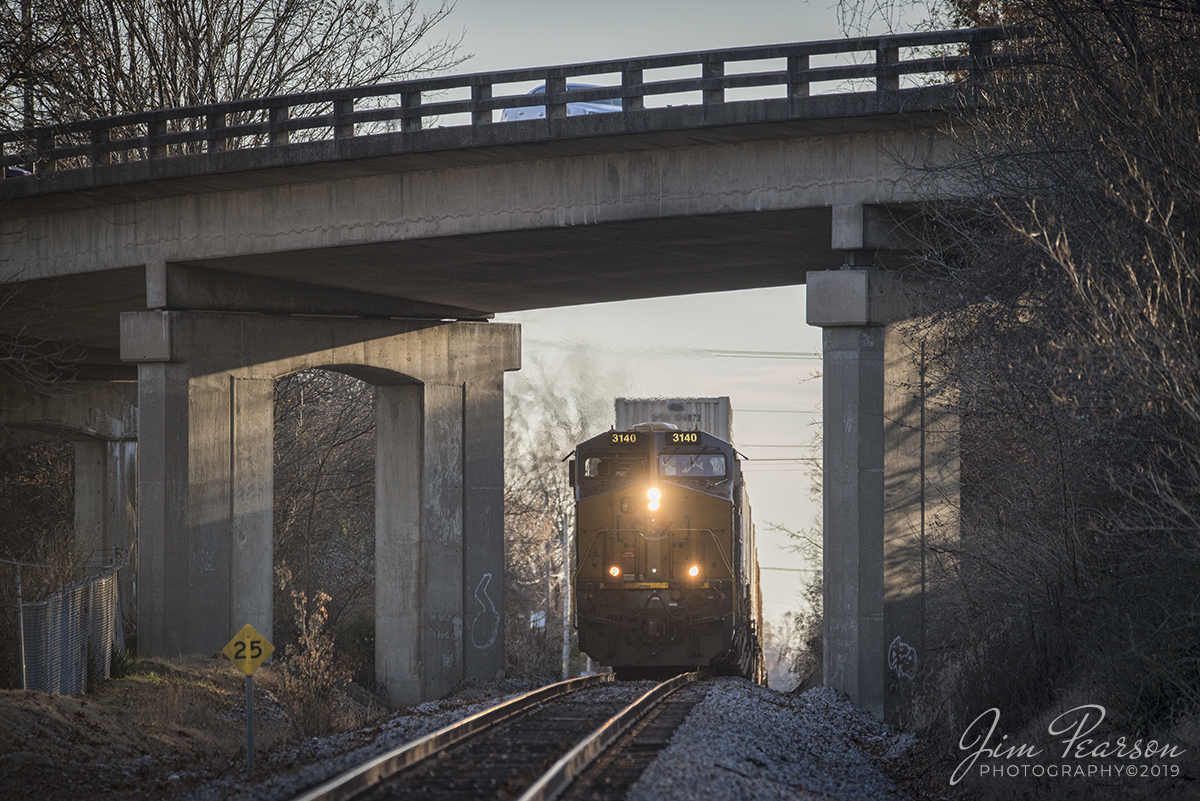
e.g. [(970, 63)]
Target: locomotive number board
[(639, 438)]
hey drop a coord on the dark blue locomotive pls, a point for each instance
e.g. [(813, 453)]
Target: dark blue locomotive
[(666, 574)]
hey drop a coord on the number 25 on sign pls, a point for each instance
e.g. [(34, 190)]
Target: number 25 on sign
[(248, 649)]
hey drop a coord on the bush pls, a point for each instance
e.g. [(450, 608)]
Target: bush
[(356, 639), (313, 673)]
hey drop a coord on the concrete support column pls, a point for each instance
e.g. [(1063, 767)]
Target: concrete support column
[(483, 527), (208, 530), (442, 538), (890, 483), (205, 491), (164, 562), (908, 449), (106, 506), (91, 493), (921, 502), (99, 418), (252, 503), (853, 513), (853, 389), (399, 655), (421, 543)]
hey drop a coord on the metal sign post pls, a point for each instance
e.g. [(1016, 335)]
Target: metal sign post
[(247, 650)]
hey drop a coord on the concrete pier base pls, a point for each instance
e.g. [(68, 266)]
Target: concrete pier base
[(439, 533), (920, 497), (886, 478), (206, 492), (852, 510)]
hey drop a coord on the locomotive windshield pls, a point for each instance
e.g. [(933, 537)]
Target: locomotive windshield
[(692, 465), (616, 465)]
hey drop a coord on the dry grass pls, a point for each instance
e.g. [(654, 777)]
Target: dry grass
[(182, 717)]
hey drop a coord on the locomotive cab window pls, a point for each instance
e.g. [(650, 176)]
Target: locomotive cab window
[(692, 465), (616, 465)]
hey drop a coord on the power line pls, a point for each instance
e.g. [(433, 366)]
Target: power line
[(778, 411), (775, 468), (807, 445), (781, 466), (786, 459), (694, 352), (763, 354)]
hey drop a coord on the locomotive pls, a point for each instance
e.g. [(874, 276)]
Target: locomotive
[(666, 575)]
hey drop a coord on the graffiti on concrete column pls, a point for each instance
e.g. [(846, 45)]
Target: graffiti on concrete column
[(486, 623), (902, 658)]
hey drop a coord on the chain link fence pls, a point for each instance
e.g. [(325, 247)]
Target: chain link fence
[(67, 639)]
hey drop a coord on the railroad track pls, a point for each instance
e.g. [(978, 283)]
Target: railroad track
[(535, 747)]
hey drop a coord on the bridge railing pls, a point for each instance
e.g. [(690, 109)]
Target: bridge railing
[(409, 106)]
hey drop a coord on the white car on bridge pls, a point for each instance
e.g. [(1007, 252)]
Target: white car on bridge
[(607, 106)]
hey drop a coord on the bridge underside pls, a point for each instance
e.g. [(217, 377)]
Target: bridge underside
[(466, 233), (461, 277)]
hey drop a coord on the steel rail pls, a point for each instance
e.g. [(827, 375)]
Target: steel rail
[(574, 762), (375, 770)]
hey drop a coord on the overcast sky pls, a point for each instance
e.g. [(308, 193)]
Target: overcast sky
[(681, 346), (508, 34)]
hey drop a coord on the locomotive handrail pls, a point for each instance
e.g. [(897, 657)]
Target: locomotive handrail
[(401, 110), (721, 551), (579, 562)]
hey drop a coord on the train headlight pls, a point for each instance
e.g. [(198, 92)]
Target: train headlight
[(654, 495), (694, 571), (615, 571)]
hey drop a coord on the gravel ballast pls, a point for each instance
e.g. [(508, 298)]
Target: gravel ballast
[(744, 741)]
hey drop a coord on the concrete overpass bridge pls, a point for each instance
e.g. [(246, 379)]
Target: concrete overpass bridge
[(191, 256)]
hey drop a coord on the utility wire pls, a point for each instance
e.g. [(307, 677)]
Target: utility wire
[(786, 459), (778, 411), (808, 445), (762, 354), (693, 352)]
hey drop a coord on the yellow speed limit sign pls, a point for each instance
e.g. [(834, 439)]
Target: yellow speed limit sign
[(248, 649)]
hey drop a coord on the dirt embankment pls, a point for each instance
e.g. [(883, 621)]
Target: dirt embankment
[(164, 728)]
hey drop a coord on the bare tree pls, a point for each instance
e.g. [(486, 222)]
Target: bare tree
[(30, 33), (87, 58), (1067, 327), (37, 536), (324, 516), (798, 640), (549, 410)]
